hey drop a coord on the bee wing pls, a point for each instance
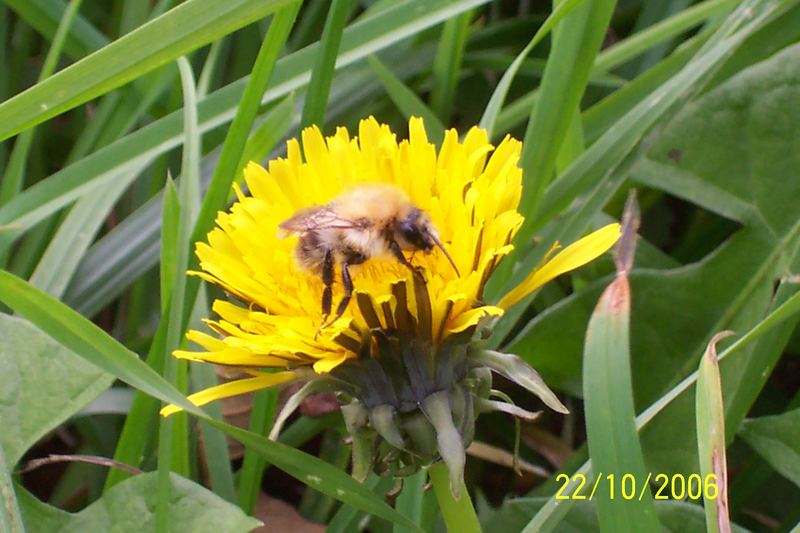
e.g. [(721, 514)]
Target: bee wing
[(314, 218)]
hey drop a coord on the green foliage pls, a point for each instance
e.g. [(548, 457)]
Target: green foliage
[(33, 362), (777, 439), (692, 103), (131, 505)]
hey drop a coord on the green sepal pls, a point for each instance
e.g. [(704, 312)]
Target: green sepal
[(517, 370), (382, 419), (451, 447), (356, 418)]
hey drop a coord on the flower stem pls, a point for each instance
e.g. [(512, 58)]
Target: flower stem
[(459, 515)]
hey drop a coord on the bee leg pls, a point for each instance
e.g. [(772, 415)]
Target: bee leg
[(327, 280), (347, 282), (398, 254)]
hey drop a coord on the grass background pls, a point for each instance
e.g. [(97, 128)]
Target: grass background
[(123, 125)]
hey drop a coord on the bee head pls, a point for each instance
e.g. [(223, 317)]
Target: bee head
[(416, 232)]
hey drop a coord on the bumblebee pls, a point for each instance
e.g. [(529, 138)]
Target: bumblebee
[(371, 220)]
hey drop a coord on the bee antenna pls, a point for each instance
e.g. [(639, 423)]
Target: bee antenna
[(438, 243)]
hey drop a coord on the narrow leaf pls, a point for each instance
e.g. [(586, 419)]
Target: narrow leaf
[(322, 74), (614, 445), (190, 25), (447, 65), (407, 101), (710, 418)]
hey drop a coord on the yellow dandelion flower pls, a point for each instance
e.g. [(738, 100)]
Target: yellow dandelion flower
[(405, 337)]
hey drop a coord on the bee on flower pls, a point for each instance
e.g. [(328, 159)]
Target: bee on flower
[(404, 239)]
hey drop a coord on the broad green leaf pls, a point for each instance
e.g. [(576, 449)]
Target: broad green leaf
[(777, 439), (183, 29), (131, 506), (10, 515), (42, 384)]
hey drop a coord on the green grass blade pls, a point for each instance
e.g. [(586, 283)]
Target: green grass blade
[(65, 250), (210, 67), (759, 367), (261, 418), (662, 32), (652, 13), (458, 514), (215, 445), (307, 28), (13, 177), (325, 63), (710, 418), (489, 118), (231, 155), (173, 436), (184, 28), (614, 447), (317, 506), (317, 474), (4, 73), (621, 52), (171, 213), (447, 65), (45, 16), (601, 116), (575, 46), (274, 127), (411, 500), (407, 101), (573, 145), (142, 419), (348, 519)]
